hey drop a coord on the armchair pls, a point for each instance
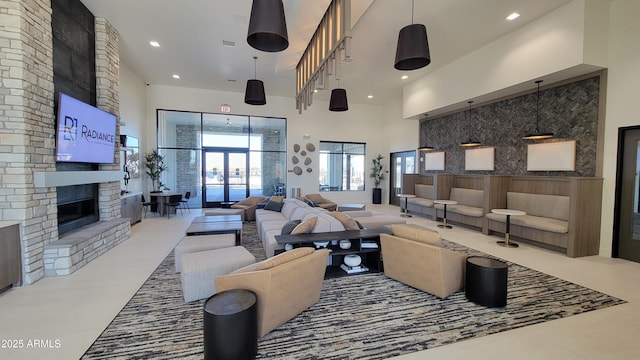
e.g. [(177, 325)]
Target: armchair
[(412, 255), (249, 205), (322, 202), (285, 284)]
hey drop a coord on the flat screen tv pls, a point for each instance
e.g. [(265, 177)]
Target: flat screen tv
[(85, 133)]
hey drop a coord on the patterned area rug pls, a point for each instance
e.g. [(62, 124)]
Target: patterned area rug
[(366, 316)]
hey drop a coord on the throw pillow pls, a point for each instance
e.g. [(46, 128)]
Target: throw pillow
[(305, 227), (416, 233), (347, 221), (289, 226), (273, 206), (309, 202)]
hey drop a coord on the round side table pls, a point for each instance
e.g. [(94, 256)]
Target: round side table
[(486, 281), (444, 203), (508, 213), (231, 325), (406, 201)]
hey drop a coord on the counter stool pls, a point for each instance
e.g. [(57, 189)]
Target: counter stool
[(231, 325)]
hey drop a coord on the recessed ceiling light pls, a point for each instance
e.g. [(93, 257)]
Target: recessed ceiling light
[(370, 97), (176, 76), (513, 16), (154, 43), (404, 77), (315, 90), (229, 43)]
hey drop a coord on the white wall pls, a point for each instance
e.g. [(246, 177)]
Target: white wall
[(133, 114), (551, 44), (362, 123), (622, 95)]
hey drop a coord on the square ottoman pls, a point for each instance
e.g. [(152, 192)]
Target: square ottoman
[(199, 269), (191, 244), (214, 212)]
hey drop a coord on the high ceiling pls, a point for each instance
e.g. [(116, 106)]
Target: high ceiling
[(191, 35)]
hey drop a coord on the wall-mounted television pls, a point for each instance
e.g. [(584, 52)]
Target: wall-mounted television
[(85, 133)]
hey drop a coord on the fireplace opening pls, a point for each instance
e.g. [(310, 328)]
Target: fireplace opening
[(77, 206)]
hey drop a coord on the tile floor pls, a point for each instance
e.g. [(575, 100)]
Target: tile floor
[(59, 318)]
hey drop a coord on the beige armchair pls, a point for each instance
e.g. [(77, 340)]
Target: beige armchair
[(322, 202), (249, 205), (412, 255), (285, 284)]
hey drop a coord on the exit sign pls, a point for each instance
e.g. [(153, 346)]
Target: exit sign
[(225, 108)]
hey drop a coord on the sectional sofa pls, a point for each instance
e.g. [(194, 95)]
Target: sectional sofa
[(269, 223)]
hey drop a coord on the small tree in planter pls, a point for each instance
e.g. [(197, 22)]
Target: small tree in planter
[(377, 174), (154, 166)]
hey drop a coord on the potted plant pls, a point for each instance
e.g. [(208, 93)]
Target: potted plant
[(377, 174), (215, 171), (154, 166)]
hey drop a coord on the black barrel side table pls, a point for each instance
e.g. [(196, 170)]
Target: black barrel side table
[(231, 325), (486, 281)]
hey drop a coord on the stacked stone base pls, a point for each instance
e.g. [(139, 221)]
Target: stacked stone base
[(78, 248)]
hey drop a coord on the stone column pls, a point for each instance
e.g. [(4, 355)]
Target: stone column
[(27, 127), (108, 99)]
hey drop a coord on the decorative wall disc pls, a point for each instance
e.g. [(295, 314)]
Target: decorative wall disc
[(296, 148), (311, 147), (295, 160), (297, 170), (307, 161), (309, 170), (303, 153)]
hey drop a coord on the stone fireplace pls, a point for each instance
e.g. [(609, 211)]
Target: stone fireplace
[(29, 178)]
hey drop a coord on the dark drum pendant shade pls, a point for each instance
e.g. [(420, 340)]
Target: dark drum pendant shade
[(338, 100), (254, 94), (413, 48), (267, 26)]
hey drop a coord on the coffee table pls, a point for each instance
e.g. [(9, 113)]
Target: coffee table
[(508, 213), (444, 203), (217, 218), (220, 227)]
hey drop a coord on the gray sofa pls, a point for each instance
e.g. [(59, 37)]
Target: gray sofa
[(269, 223), (546, 222), (423, 202), (469, 210)]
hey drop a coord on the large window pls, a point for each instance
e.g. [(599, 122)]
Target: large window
[(342, 166), (221, 157)]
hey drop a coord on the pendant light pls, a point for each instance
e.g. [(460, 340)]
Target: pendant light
[(412, 51), (469, 143), (254, 94), (538, 135), (338, 101), (267, 26), (425, 147)]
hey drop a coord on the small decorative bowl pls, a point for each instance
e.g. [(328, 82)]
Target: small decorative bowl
[(352, 260), (345, 244), (321, 244)]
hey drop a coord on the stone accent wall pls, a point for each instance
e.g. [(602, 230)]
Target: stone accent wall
[(108, 99), (27, 127), (187, 166), (570, 111)]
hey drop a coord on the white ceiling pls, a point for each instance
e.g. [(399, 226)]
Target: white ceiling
[(190, 33)]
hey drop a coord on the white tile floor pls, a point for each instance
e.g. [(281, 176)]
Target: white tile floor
[(59, 318)]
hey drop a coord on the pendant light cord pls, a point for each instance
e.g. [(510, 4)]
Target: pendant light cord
[(255, 67), (412, 6), (538, 107), (469, 120)]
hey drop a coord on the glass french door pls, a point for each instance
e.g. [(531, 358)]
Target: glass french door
[(627, 229), (401, 163), (225, 176)]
